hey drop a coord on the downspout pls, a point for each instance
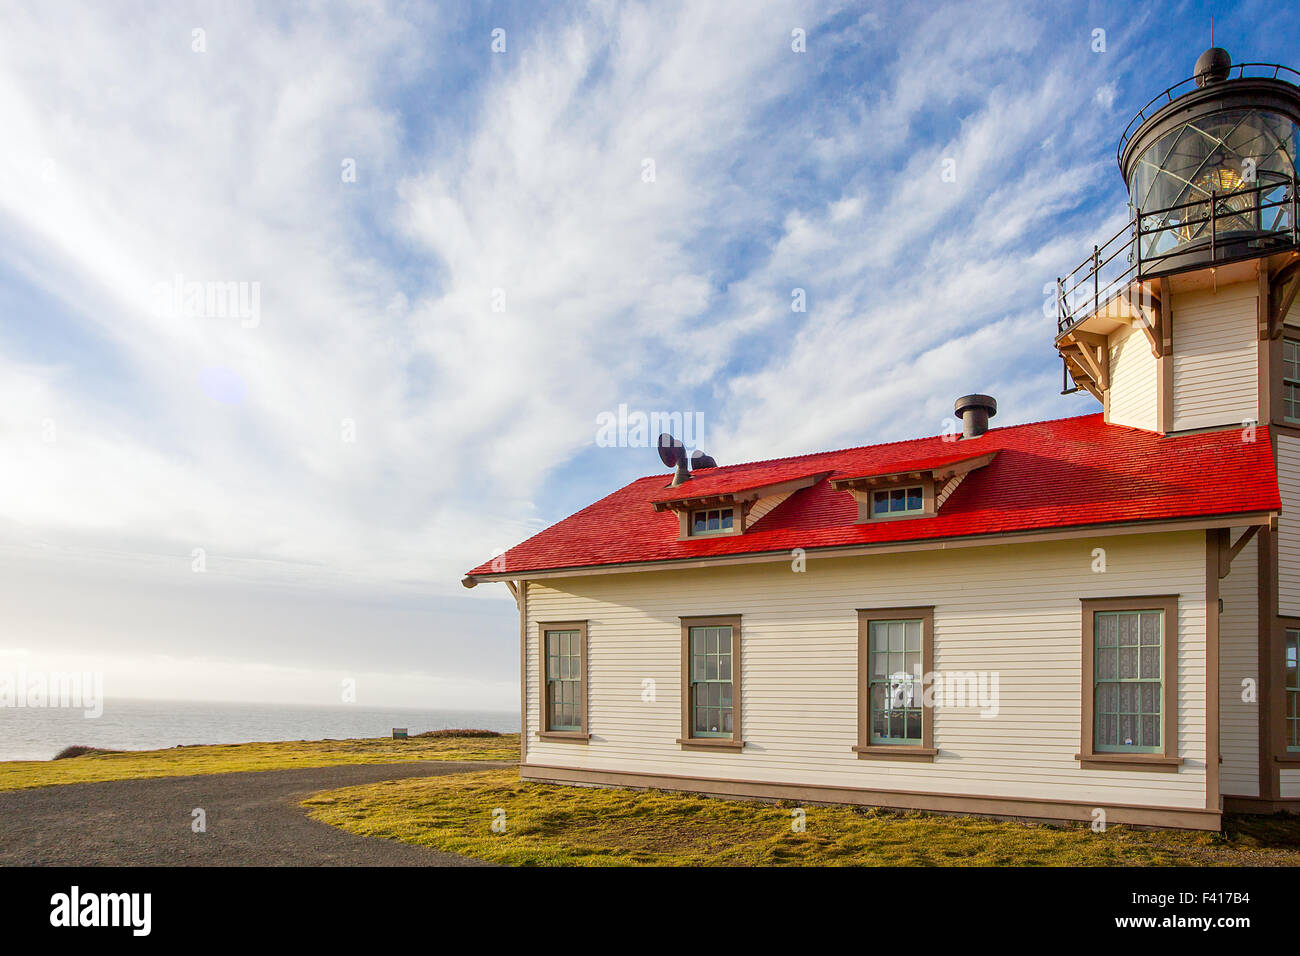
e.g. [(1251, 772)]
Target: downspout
[(521, 598)]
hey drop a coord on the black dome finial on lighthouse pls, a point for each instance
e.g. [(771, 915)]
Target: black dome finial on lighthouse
[(1212, 66)]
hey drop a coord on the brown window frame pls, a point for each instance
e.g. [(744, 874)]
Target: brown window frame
[(581, 735), (1278, 710), (736, 519), (1282, 380), (929, 495), (1167, 760), (736, 741), (865, 749)]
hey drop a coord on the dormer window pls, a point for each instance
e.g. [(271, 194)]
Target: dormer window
[(714, 503), (898, 501), (911, 489), (712, 521)]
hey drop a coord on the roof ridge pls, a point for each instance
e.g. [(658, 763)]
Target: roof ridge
[(885, 444)]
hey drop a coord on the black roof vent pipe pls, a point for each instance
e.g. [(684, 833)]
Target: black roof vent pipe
[(975, 412)]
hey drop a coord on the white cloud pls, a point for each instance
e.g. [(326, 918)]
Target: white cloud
[(134, 159)]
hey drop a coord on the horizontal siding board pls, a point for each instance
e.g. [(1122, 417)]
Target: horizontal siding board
[(1133, 390), (1288, 529), (1215, 357)]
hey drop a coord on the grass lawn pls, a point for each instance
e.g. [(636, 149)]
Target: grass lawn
[(232, 758), (553, 826)]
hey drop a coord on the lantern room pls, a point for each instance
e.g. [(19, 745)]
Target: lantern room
[(1211, 170), (1210, 164)]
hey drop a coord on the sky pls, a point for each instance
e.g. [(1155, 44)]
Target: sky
[(306, 309)]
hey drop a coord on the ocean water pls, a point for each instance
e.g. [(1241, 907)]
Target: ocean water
[(39, 733)]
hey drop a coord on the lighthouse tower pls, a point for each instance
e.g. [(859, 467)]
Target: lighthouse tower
[(1186, 320)]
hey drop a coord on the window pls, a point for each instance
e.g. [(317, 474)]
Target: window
[(1127, 678), (1291, 379), (564, 680), (895, 653), (711, 682), (712, 520), (1292, 690), (1130, 667), (895, 682), (898, 501)]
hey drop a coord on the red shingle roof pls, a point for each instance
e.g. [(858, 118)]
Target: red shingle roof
[(1064, 473), (734, 479)]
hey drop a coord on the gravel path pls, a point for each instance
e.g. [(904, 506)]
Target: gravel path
[(253, 819)]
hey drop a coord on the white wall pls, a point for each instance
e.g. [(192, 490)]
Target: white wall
[(1215, 357), (1238, 661), (1288, 527), (1013, 609), (1133, 387)]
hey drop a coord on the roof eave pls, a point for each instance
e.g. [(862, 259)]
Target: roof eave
[(937, 472), (741, 495), (1059, 532)]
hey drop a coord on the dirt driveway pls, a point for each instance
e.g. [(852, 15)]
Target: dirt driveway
[(253, 819)]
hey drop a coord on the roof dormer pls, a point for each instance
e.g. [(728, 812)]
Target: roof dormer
[(914, 489), (717, 505)]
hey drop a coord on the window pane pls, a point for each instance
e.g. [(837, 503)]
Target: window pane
[(1107, 629), (897, 499), (1128, 631), (1128, 662), (913, 499), (913, 632), (724, 640), (879, 664), (1106, 663), (1150, 731), (713, 521), (1126, 731), (879, 636), (724, 667), (726, 520), (1151, 663), (1150, 629), (699, 522), (896, 636), (1106, 730)]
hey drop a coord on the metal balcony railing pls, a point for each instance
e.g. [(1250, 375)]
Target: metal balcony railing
[(1267, 71), (1222, 227)]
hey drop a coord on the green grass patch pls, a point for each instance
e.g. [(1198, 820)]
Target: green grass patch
[(582, 826), (234, 758)]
